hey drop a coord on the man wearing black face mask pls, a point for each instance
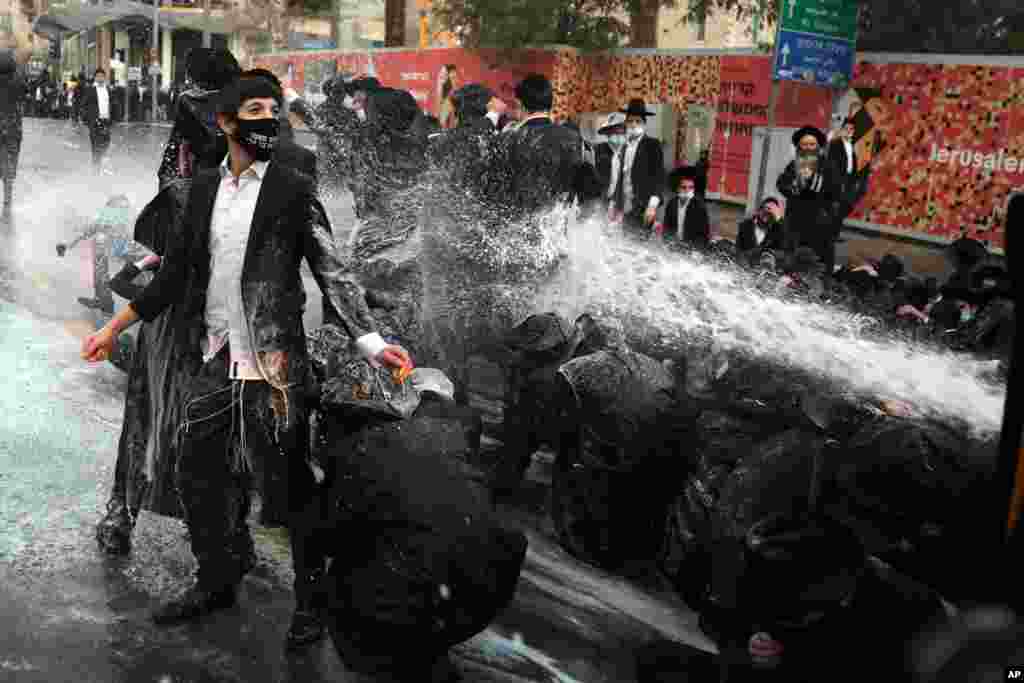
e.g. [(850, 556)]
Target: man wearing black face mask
[(234, 282)]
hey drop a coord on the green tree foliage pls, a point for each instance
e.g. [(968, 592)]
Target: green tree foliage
[(585, 24), (951, 26)]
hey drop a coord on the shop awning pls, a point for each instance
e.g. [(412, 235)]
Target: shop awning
[(77, 16)]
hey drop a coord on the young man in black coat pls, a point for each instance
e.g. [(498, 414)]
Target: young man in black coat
[(233, 281), (762, 232), (614, 131), (686, 215), (637, 174)]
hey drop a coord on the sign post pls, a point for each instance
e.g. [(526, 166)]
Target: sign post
[(815, 44)]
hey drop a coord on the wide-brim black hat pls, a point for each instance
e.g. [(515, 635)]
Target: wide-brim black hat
[(812, 131), (680, 173), (637, 107)]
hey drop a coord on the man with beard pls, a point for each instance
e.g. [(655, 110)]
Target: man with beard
[(234, 279), (12, 91), (813, 194)]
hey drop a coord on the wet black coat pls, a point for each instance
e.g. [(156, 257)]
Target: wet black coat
[(195, 129), (544, 165), (812, 217), (289, 224), (158, 378)]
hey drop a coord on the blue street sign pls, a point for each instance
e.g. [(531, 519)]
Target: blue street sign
[(813, 59)]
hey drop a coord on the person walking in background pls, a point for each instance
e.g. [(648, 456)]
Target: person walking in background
[(96, 113)]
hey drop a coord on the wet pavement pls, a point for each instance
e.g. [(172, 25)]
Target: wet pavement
[(70, 614)]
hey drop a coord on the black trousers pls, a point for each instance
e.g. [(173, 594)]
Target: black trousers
[(230, 434), (99, 138)]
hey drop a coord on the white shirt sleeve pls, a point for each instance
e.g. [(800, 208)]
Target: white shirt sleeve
[(370, 345)]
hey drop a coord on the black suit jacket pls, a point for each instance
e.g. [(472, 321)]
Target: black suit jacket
[(289, 224), (91, 105), (746, 238), (647, 174), (696, 225)]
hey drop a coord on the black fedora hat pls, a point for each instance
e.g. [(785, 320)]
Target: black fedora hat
[(637, 107), (813, 132)]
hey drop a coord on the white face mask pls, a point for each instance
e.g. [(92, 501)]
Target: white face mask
[(348, 102), (686, 196), (493, 116), (617, 140), (635, 131)]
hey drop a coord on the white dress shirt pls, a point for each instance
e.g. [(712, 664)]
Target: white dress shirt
[(230, 225), (848, 146), (759, 234), (684, 204), (103, 102), (629, 149)]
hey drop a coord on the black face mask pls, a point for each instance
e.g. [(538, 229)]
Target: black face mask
[(259, 137)]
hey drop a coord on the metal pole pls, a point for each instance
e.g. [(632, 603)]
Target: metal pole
[(766, 144), (156, 54), (206, 23)]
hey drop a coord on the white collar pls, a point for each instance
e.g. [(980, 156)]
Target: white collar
[(258, 168)]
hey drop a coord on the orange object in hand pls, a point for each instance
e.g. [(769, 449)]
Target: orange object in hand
[(399, 375)]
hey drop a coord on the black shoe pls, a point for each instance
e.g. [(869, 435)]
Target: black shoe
[(114, 532), (193, 604), (306, 628)]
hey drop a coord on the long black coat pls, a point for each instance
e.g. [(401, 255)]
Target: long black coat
[(13, 89), (812, 211), (91, 105), (647, 174)]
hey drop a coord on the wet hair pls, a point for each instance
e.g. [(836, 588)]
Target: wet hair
[(771, 200), (366, 84), (244, 88), (535, 93), (211, 69)]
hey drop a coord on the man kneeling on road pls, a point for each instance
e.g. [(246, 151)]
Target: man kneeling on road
[(236, 291)]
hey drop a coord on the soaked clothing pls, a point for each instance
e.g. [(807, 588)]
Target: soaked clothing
[(231, 435), (195, 141)]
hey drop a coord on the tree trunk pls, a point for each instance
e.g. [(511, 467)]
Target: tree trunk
[(394, 23), (643, 24)]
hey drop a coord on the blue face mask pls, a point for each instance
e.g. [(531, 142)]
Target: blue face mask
[(115, 216)]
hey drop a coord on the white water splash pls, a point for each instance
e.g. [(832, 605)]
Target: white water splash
[(689, 297)]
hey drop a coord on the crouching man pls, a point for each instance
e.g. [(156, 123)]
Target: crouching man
[(235, 289)]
